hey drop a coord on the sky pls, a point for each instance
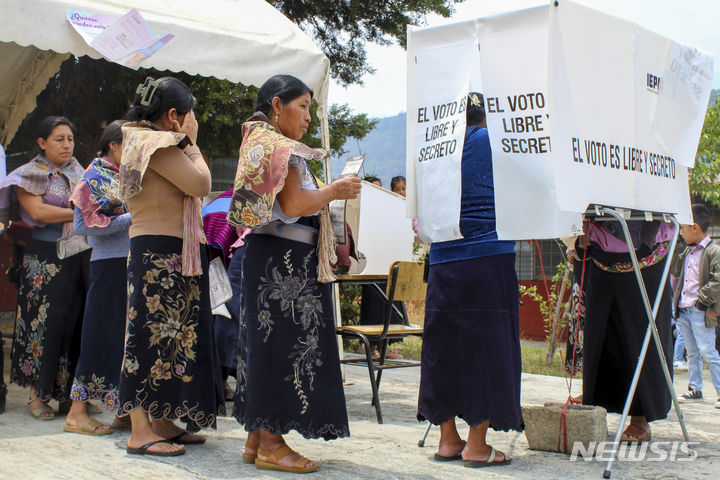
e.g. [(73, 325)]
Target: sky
[(692, 22)]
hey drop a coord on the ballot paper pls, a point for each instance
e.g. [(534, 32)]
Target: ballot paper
[(338, 207)]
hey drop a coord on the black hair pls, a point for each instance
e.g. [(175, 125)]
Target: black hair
[(170, 93), (112, 133), (372, 178), (701, 216), (48, 124), (286, 87), (475, 113), (395, 180)]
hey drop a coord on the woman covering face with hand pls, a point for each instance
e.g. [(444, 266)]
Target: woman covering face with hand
[(288, 369)]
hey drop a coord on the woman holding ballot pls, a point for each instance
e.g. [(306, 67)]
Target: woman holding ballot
[(288, 370), (470, 361), (170, 369)]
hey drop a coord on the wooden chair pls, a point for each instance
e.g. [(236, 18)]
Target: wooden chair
[(405, 283)]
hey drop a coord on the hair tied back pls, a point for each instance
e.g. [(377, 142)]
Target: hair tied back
[(146, 90)]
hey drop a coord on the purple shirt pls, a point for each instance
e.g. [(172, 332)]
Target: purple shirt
[(610, 243), (691, 280)]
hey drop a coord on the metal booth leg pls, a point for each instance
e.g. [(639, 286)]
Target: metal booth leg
[(651, 330)]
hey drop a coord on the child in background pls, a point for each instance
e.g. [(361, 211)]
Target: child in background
[(397, 185), (696, 303)]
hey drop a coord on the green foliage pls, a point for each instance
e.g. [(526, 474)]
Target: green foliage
[(341, 27), (704, 176)]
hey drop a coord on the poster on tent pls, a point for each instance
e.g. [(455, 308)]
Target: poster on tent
[(513, 54), (627, 112), (439, 62)]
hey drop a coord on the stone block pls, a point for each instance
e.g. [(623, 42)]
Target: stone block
[(585, 424)]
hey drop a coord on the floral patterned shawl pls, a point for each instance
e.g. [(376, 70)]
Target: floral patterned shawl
[(97, 195), (140, 141), (40, 177), (262, 169)]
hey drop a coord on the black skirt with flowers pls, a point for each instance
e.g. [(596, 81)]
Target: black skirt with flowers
[(46, 343), (288, 375), (170, 367)]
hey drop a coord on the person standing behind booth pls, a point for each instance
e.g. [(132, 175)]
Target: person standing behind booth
[(697, 303), (51, 293), (170, 369), (101, 216), (470, 360), (289, 368)]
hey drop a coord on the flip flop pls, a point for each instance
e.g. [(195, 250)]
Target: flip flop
[(443, 458), (179, 439), (269, 461), (144, 450), (90, 428), (38, 412), (490, 462), (630, 438), (247, 457)]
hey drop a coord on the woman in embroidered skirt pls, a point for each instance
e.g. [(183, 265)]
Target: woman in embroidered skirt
[(470, 360), (101, 216), (51, 294), (288, 370), (616, 322), (170, 369)]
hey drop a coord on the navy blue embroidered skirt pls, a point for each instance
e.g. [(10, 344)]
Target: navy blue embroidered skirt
[(103, 333), (170, 367), (48, 326), (471, 362), (288, 369)]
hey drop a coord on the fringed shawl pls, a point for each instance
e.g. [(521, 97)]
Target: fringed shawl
[(140, 141), (38, 177), (262, 169), (97, 195)]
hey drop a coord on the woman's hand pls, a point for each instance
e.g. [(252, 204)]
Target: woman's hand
[(189, 126), (346, 188)]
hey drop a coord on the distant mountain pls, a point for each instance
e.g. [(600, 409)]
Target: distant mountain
[(384, 149)]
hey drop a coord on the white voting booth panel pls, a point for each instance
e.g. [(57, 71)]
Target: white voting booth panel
[(384, 234), (554, 77)]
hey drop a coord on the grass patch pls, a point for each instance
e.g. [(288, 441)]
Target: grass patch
[(533, 355)]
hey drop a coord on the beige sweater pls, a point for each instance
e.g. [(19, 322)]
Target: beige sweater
[(171, 174)]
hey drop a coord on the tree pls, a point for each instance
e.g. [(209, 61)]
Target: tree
[(341, 27), (704, 177)]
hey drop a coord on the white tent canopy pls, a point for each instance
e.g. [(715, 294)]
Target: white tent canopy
[(244, 41)]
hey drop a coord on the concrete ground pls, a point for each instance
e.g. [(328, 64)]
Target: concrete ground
[(33, 449)]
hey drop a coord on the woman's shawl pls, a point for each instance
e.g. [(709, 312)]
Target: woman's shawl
[(140, 141), (38, 177), (97, 195), (262, 169)]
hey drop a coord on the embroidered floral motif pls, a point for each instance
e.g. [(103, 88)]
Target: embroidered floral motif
[(656, 256), (297, 296)]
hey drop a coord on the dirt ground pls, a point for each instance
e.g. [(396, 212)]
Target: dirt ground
[(32, 449)]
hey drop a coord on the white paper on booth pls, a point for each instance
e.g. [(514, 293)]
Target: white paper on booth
[(439, 65), (604, 149), (513, 57)]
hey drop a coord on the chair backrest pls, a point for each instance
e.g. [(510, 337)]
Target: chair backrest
[(407, 281)]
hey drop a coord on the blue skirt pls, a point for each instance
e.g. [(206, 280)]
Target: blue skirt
[(170, 367), (288, 375), (471, 361), (103, 333)]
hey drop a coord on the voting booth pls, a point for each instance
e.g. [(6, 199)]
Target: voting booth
[(587, 115)]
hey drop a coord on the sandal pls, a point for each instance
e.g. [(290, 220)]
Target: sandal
[(490, 462), (635, 434), (42, 412), (249, 457), (144, 450), (90, 428), (270, 461)]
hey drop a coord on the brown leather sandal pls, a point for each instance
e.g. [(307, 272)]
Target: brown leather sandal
[(635, 434), (270, 461)]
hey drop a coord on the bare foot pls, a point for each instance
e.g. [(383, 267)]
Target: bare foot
[(138, 439), (451, 449), (78, 417), (167, 429), (482, 454), (36, 404), (252, 443), (288, 460)]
